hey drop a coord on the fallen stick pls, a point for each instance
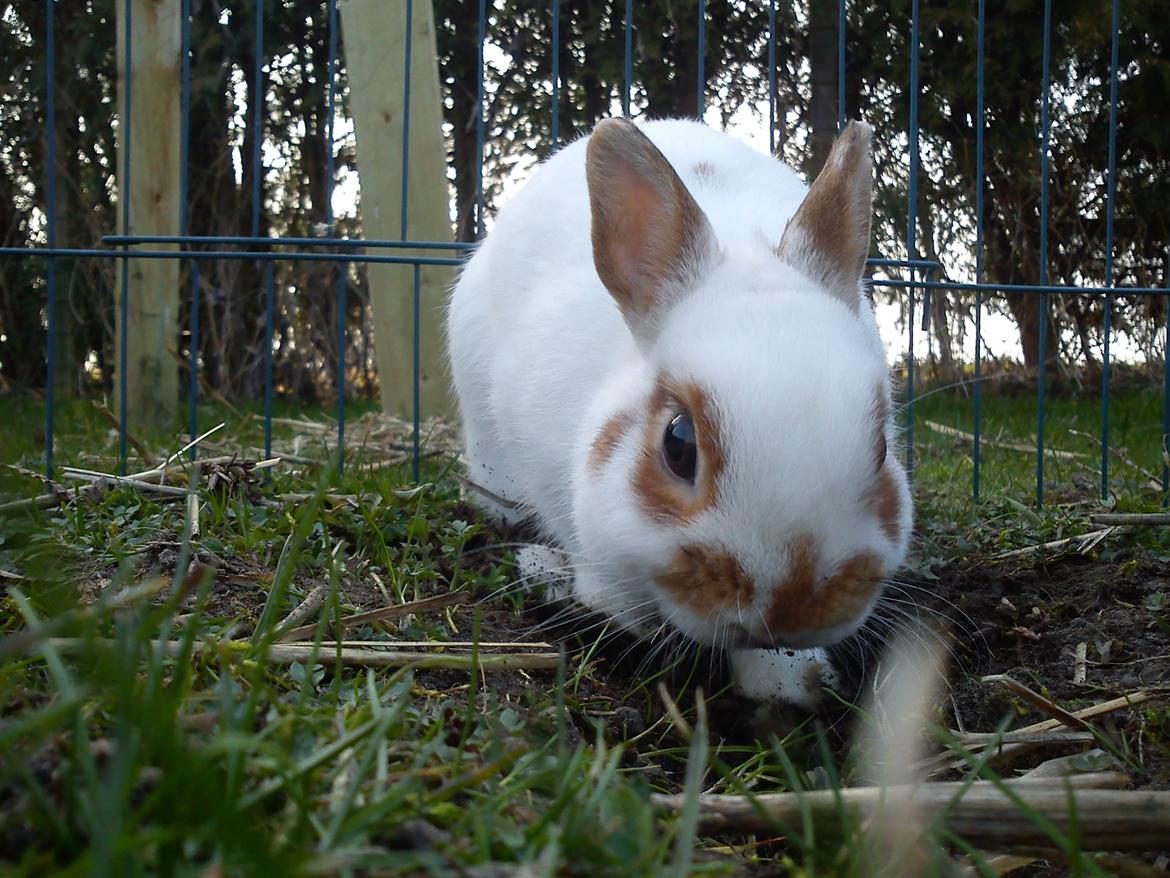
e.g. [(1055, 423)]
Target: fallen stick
[(1062, 766), (1025, 742), (41, 501), (172, 458), (991, 739), (306, 609), (27, 638), (434, 644), (1081, 664), (1038, 701), (1130, 700), (995, 443), (1106, 818), (159, 472), (395, 611), (138, 484), (1139, 518), (294, 653), (1081, 542), (117, 425)]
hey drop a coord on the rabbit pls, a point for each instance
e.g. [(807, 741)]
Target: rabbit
[(665, 354)]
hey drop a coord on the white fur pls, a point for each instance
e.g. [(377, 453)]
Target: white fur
[(542, 358), (794, 676)]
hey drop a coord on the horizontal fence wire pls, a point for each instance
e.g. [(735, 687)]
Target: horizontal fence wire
[(916, 278)]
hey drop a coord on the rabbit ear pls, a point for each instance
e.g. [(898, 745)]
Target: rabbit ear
[(649, 235), (827, 238)]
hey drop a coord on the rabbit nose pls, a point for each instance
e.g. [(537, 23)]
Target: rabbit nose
[(811, 610)]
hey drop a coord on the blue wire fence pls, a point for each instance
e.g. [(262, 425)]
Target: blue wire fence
[(921, 278)]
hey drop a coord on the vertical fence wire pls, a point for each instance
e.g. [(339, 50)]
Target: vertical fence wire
[(415, 455), (257, 175), (628, 58), (194, 341), (841, 66), (1110, 195), (415, 315), (479, 133), (701, 85), (342, 284), (331, 115), (50, 234), (554, 134), (343, 267), (1166, 394), (1041, 381), (124, 304), (257, 117), (912, 229), (772, 76), (269, 307), (980, 128), (184, 194), (405, 205)]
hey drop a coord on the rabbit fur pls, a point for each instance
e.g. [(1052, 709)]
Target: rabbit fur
[(662, 270)]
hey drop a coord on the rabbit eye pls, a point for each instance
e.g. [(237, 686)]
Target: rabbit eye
[(678, 447), (881, 450)]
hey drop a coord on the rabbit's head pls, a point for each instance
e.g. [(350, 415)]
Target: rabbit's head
[(744, 475)]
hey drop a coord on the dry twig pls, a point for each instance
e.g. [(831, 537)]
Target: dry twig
[(396, 611), (1106, 818)]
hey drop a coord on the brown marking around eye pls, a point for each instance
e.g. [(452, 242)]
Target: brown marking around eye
[(663, 495), (703, 580), (805, 604), (607, 441)]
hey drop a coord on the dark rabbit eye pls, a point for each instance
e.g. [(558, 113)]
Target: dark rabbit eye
[(881, 450), (678, 447)]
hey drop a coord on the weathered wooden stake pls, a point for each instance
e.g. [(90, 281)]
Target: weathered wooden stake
[(152, 379), (375, 49)]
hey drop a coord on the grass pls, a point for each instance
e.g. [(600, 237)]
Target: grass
[(118, 759)]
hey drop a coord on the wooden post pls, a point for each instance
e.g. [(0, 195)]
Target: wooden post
[(375, 52), (152, 379)]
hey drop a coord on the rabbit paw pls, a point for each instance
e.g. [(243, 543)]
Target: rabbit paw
[(795, 677)]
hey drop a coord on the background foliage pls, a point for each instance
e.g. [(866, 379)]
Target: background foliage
[(517, 115)]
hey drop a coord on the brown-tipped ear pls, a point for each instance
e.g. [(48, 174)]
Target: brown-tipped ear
[(649, 235), (827, 239)]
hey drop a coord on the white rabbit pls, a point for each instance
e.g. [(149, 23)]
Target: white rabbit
[(663, 352)]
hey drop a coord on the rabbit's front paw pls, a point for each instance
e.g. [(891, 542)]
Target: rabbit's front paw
[(795, 677)]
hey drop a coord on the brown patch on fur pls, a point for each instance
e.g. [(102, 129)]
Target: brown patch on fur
[(703, 581), (647, 229), (886, 502), (663, 494), (828, 236), (606, 442), (805, 603), (705, 171)]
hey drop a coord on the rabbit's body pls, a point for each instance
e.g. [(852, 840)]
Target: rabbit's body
[(566, 382)]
